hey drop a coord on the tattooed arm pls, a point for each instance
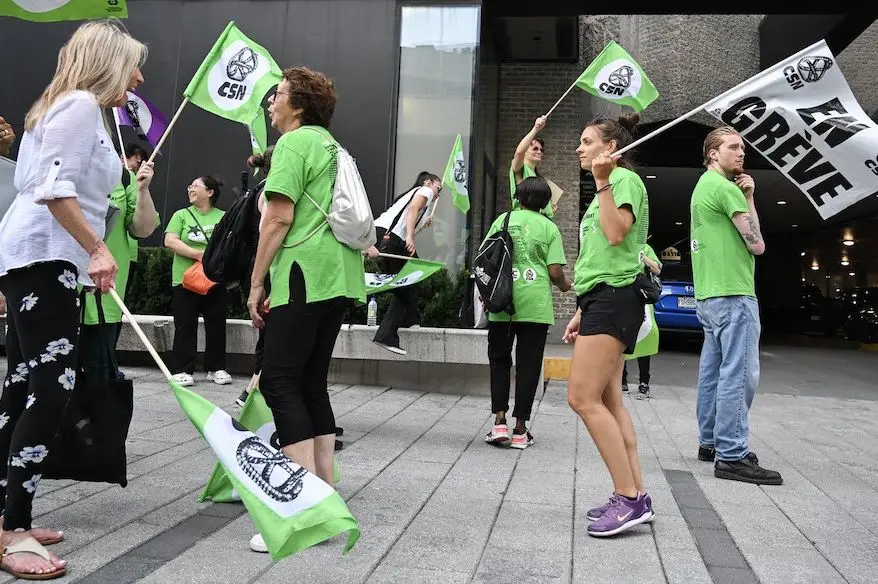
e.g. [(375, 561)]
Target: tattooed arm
[(748, 226)]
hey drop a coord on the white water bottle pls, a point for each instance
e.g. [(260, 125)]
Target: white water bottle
[(372, 314)]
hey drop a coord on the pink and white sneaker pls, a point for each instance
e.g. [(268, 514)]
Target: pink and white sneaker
[(521, 441), (498, 435)]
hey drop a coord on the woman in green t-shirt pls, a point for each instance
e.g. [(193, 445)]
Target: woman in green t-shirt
[(611, 309), (314, 277), (186, 235), (528, 154), (537, 262)]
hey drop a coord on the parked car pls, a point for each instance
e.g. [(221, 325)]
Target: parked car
[(861, 315), (675, 310), (819, 314)]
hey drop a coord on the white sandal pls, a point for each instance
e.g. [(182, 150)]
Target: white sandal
[(31, 545)]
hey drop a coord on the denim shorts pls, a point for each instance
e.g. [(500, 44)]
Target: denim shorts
[(617, 312)]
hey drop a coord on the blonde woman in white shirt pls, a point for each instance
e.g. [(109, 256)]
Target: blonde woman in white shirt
[(51, 241)]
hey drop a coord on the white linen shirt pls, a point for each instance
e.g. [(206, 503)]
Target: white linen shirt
[(67, 154)]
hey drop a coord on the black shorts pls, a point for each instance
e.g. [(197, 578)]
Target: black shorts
[(617, 312)]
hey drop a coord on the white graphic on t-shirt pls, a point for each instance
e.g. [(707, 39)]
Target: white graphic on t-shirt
[(530, 275), (515, 274)]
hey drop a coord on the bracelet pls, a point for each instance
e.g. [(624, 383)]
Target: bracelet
[(603, 188)]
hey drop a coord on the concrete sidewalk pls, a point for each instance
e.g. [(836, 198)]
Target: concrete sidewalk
[(436, 504)]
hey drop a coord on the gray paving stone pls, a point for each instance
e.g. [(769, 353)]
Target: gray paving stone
[(800, 567), (92, 557), (718, 548), (724, 575), (126, 571), (395, 574), (704, 518), (683, 566)]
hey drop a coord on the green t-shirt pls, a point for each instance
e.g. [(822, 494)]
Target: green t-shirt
[(598, 260), (304, 160), (118, 241), (526, 172), (183, 224), (536, 245), (722, 265)]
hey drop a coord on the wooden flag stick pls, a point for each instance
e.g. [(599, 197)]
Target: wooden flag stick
[(133, 322), (168, 130), (560, 99)]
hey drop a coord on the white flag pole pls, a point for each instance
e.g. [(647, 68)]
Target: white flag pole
[(395, 257), (140, 333), (168, 129), (119, 135), (720, 96), (560, 99)]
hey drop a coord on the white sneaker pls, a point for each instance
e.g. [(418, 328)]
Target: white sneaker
[(184, 379), (257, 544), (220, 377), (391, 348)]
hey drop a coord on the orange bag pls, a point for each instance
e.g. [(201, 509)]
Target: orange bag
[(194, 279)]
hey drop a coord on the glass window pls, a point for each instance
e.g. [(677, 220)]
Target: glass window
[(437, 57)]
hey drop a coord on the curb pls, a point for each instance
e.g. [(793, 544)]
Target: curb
[(557, 368)]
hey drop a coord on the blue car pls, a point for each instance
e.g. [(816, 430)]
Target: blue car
[(675, 310)]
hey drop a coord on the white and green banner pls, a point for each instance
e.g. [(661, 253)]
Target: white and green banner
[(616, 77), (256, 417), (415, 270), (234, 77), (58, 10), (292, 508), (647, 336), (455, 177)]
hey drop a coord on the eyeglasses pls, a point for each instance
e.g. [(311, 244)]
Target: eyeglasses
[(195, 186)]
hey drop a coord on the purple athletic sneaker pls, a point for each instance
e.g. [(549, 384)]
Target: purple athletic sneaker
[(622, 514), (598, 512)]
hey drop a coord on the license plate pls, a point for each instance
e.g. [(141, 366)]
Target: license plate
[(815, 318), (685, 302)]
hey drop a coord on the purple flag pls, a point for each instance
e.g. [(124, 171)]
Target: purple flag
[(144, 117)]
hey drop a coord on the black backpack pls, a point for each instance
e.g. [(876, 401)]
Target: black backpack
[(231, 249), (492, 269)]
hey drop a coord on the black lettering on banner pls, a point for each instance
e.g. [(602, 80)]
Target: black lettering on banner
[(872, 165), (789, 147), (811, 167), (768, 132), (232, 90), (827, 187), (744, 114), (831, 117), (793, 78)]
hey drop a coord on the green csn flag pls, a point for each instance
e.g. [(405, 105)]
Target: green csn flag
[(455, 177), (292, 508), (647, 336), (256, 417), (57, 10), (258, 132), (616, 77), (234, 77), (415, 270)]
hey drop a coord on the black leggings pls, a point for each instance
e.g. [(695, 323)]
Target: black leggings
[(299, 338), (528, 364), (186, 307), (642, 365), (43, 316), (403, 309)]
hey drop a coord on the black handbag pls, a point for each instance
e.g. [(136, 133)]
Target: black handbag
[(649, 286), (90, 444)]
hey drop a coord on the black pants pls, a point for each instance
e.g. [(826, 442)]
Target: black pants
[(43, 317), (642, 365), (299, 338), (260, 341), (403, 309), (187, 306), (528, 364)]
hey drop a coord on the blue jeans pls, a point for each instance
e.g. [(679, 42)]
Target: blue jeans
[(728, 373)]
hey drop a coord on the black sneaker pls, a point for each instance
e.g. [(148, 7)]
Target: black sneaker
[(339, 431), (242, 398), (339, 445), (746, 470), (624, 388), (643, 391)]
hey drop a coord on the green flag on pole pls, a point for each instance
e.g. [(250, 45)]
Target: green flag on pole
[(234, 77), (258, 132), (256, 417), (58, 10), (647, 336), (455, 177), (292, 508), (413, 271), (616, 77)]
